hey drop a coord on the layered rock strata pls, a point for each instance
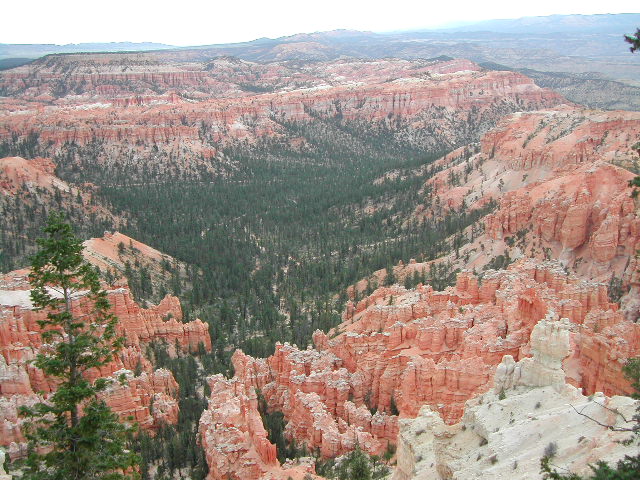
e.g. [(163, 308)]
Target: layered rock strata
[(560, 183), (235, 441), (201, 106), (150, 396)]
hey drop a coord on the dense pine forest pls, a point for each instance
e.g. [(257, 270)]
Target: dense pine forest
[(272, 244)]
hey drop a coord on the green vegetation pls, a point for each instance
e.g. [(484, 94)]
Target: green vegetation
[(272, 245), (634, 40), (24, 215), (356, 465), (73, 436), (274, 424), (174, 449), (271, 241)]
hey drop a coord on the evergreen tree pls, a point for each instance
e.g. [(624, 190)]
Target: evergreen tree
[(390, 277), (634, 40), (73, 435), (359, 468)]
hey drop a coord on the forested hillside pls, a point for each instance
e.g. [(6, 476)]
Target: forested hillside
[(268, 189), (277, 197)]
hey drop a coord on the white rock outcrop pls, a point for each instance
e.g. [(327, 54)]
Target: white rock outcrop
[(505, 432)]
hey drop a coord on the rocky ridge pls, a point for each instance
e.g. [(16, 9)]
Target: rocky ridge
[(113, 111), (29, 189), (116, 255), (235, 440), (17, 173), (559, 180)]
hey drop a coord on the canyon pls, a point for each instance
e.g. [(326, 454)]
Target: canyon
[(399, 349), (419, 353), (560, 181), (133, 109), (275, 189)]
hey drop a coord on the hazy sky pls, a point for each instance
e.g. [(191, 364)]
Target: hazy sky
[(193, 22)]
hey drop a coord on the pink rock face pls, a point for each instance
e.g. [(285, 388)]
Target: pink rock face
[(20, 339), (373, 101), (409, 348), (113, 250), (562, 138), (234, 439), (148, 399), (16, 173), (200, 100), (559, 180), (588, 211)]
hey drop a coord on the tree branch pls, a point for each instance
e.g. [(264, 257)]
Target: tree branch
[(607, 426)]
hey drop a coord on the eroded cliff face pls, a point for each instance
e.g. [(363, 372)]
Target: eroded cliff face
[(150, 396), (150, 110), (16, 173), (235, 441), (505, 432), (555, 184), (402, 349), (580, 205), (560, 184)]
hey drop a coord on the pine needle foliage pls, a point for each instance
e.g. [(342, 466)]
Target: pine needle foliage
[(73, 435)]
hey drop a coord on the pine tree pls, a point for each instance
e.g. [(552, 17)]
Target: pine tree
[(73, 435), (359, 465), (390, 277)]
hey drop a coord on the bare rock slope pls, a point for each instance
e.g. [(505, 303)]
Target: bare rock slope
[(530, 412)]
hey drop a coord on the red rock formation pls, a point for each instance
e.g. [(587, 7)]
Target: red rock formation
[(149, 398), (588, 214), (17, 173), (119, 104), (19, 328), (314, 389), (561, 190), (417, 347), (235, 440), (375, 101), (20, 340)]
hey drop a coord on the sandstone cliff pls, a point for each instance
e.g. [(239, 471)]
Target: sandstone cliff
[(150, 397), (401, 349), (115, 106), (235, 440), (559, 180), (17, 173)]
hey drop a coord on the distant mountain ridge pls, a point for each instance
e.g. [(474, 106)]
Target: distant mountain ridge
[(36, 50), (556, 43), (600, 23)]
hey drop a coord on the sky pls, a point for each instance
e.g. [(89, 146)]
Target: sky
[(202, 22)]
